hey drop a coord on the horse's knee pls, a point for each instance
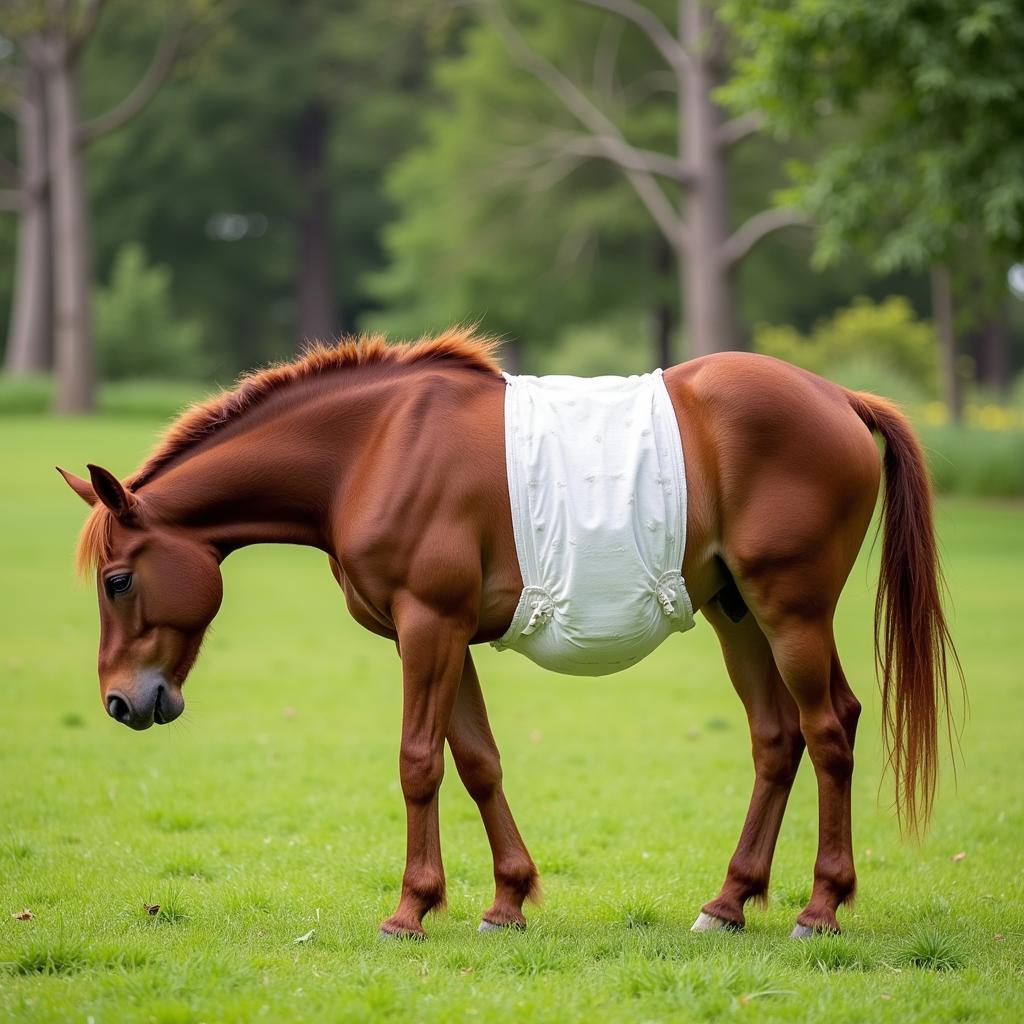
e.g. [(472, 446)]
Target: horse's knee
[(777, 754), (421, 769)]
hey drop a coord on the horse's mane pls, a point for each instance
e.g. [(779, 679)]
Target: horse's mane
[(461, 345)]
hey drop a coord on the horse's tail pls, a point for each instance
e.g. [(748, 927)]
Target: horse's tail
[(913, 646)]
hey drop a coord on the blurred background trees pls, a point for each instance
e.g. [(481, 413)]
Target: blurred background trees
[(927, 174), (189, 189)]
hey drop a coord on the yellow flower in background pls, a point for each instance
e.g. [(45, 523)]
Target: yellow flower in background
[(995, 417), (989, 417)]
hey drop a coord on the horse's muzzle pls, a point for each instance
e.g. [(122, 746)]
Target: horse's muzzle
[(153, 700)]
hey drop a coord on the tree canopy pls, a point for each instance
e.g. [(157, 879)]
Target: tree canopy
[(934, 97)]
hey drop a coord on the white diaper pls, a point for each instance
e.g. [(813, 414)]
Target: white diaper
[(598, 494)]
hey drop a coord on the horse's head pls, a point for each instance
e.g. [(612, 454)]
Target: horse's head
[(159, 588)]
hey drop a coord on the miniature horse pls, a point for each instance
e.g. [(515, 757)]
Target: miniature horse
[(391, 459)]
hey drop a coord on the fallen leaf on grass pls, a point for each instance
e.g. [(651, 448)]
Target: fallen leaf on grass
[(152, 909), (23, 915), (467, 970), (306, 937), (958, 856), (1000, 937), (885, 995)]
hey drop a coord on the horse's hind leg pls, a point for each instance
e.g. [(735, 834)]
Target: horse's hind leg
[(777, 746), (479, 766), (805, 654)]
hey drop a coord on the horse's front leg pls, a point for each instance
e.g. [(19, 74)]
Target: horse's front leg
[(479, 766), (433, 649)]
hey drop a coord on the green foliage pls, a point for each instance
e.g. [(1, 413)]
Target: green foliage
[(123, 398), (221, 137), (859, 341), (137, 334), (974, 461), (617, 347), (147, 398), (868, 373), (498, 217), (24, 395), (933, 99)]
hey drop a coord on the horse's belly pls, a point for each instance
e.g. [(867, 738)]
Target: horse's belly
[(598, 496)]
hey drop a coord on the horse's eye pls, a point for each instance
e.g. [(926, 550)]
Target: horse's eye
[(119, 584)]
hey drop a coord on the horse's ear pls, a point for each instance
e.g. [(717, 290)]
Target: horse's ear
[(109, 490), (82, 488)]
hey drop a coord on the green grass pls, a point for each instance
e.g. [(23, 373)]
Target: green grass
[(272, 810)]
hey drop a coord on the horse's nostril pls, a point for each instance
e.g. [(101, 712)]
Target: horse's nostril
[(118, 709)]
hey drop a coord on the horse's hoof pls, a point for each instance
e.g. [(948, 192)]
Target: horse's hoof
[(404, 934), (802, 931), (710, 923), (489, 927)]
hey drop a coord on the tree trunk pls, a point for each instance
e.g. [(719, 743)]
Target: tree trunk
[(316, 317), (29, 349), (73, 345), (945, 331), (707, 284), (992, 352), (663, 321)]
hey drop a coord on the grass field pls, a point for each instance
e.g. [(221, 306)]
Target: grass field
[(268, 824)]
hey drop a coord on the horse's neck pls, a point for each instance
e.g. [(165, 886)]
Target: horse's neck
[(276, 481)]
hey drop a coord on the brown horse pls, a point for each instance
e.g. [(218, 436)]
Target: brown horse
[(391, 459)]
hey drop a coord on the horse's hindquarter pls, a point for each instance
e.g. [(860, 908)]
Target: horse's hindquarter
[(777, 463)]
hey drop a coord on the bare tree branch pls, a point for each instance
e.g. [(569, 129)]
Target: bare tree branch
[(631, 159), (550, 174), (663, 40), (606, 58), (601, 127), (145, 89), (739, 128), (762, 224), (10, 199), (649, 85)]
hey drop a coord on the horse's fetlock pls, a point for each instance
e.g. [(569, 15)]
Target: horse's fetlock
[(744, 881), (427, 888), (844, 885), (517, 874)]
